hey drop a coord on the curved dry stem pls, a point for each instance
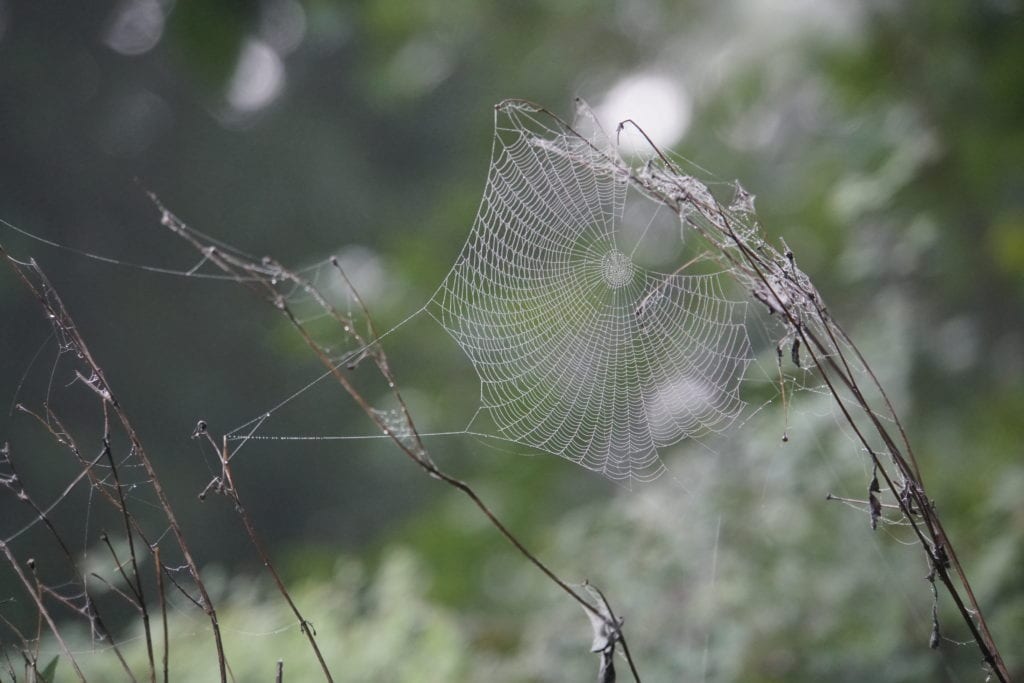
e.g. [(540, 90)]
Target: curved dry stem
[(263, 278), (773, 279)]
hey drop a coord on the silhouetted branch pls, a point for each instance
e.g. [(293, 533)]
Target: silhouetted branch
[(225, 484), (35, 281)]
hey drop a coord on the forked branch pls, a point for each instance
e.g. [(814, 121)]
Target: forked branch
[(224, 484)]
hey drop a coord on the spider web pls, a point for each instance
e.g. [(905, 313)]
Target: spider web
[(581, 352)]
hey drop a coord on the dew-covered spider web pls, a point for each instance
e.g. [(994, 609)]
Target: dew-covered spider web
[(582, 348), (580, 351)]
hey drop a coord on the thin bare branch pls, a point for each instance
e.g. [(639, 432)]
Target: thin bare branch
[(158, 567), (226, 485), (44, 613)]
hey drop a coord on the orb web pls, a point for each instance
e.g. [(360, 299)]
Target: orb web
[(579, 351)]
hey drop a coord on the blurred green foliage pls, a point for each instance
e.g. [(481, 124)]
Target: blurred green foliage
[(884, 142)]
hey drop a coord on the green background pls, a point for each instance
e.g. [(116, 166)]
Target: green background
[(884, 143)]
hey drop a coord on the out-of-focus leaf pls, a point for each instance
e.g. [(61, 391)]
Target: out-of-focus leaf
[(49, 672), (209, 36)]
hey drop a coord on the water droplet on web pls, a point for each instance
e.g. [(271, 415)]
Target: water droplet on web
[(742, 201)]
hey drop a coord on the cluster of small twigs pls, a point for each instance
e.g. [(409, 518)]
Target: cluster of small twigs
[(733, 236), (102, 473)]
